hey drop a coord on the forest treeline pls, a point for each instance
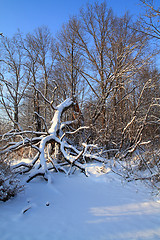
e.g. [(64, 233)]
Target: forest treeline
[(107, 63)]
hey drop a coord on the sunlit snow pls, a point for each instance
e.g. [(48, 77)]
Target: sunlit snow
[(75, 207)]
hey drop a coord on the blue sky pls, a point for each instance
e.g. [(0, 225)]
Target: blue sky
[(30, 14)]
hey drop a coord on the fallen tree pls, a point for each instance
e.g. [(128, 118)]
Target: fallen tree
[(50, 144)]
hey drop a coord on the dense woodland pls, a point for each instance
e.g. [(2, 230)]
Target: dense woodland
[(102, 73)]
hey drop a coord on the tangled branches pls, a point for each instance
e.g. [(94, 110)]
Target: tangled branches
[(54, 151)]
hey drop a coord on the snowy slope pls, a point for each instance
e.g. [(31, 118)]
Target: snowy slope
[(100, 207)]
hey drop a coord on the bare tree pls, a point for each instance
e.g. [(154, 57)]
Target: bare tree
[(13, 83), (69, 59), (42, 56), (32, 67), (128, 57)]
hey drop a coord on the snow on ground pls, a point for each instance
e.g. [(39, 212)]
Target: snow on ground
[(100, 207)]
